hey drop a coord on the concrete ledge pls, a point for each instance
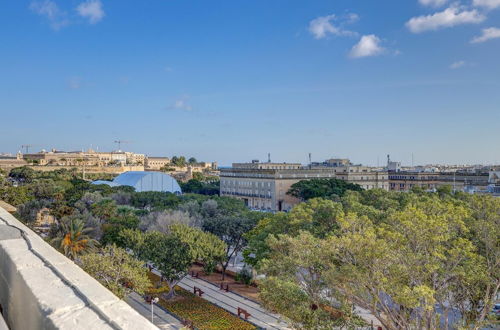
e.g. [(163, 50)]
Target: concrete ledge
[(42, 289)]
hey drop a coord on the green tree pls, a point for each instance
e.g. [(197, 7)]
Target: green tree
[(232, 231), (407, 270), (317, 216), (178, 161), (192, 161), (203, 246), (296, 286), (105, 209), (169, 255), (117, 270), (73, 239), (325, 188), (23, 174)]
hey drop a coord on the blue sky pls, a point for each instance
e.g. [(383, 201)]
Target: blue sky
[(234, 80)]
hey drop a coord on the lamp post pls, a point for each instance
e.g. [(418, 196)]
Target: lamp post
[(153, 301)]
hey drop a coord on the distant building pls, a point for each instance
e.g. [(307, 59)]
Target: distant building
[(9, 161), (87, 158), (494, 183), (264, 186), (156, 163), (459, 181), (334, 162), (145, 181)]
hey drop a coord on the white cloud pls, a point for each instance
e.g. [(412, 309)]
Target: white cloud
[(322, 26), (51, 11), (487, 34), (433, 3), (457, 65), (92, 10), (75, 83), (490, 4), (181, 103), (451, 16), (368, 45)]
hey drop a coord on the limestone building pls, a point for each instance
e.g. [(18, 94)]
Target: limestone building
[(264, 186)]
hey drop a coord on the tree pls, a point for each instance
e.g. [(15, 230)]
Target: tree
[(154, 200), (173, 253), (231, 230), (162, 220), (192, 160), (204, 247), (325, 188), (23, 174), (484, 226), (117, 270), (295, 283), (29, 210), (410, 270), (317, 216), (169, 255), (104, 209), (197, 186), (178, 161), (113, 226), (73, 239)]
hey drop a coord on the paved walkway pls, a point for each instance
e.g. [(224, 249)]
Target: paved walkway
[(162, 319), (231, 301)]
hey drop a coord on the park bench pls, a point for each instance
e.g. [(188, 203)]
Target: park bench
[(244, 312), (225, 288), (198, 291)]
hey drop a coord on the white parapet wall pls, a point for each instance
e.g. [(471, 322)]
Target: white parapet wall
[(42, 289)]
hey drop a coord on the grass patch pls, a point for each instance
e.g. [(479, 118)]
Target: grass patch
[(203, 314)]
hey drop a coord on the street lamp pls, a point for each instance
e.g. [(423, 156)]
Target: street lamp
[(153, 301)]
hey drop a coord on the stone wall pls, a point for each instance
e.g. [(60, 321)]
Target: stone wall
[(42, 289)]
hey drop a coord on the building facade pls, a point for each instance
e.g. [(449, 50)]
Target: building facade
[(264, 186), (459, 181), (156, 163)]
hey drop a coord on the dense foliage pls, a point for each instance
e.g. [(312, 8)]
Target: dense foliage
[(117, 270), (324, 188), (161, 228), (414, 260)]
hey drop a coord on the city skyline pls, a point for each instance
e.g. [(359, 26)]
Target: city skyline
[(232, 82)]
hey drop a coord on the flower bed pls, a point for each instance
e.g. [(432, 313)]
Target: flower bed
[(203, 314)]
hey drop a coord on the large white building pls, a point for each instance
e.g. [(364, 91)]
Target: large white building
[(264, 186)]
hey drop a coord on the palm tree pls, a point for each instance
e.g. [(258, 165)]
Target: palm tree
[(73, 238)]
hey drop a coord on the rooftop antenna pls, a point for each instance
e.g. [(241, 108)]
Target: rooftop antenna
[(119, 142), (26, 147), (269, 157), (412, 159)]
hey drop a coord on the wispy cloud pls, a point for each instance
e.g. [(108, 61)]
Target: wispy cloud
[(452, 16), (457, 65), (49, 9), (487, 34), (91, 10), (369, 45), (181, 103), (323, 26), (75, 83), (490, 4), (433, 3)]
